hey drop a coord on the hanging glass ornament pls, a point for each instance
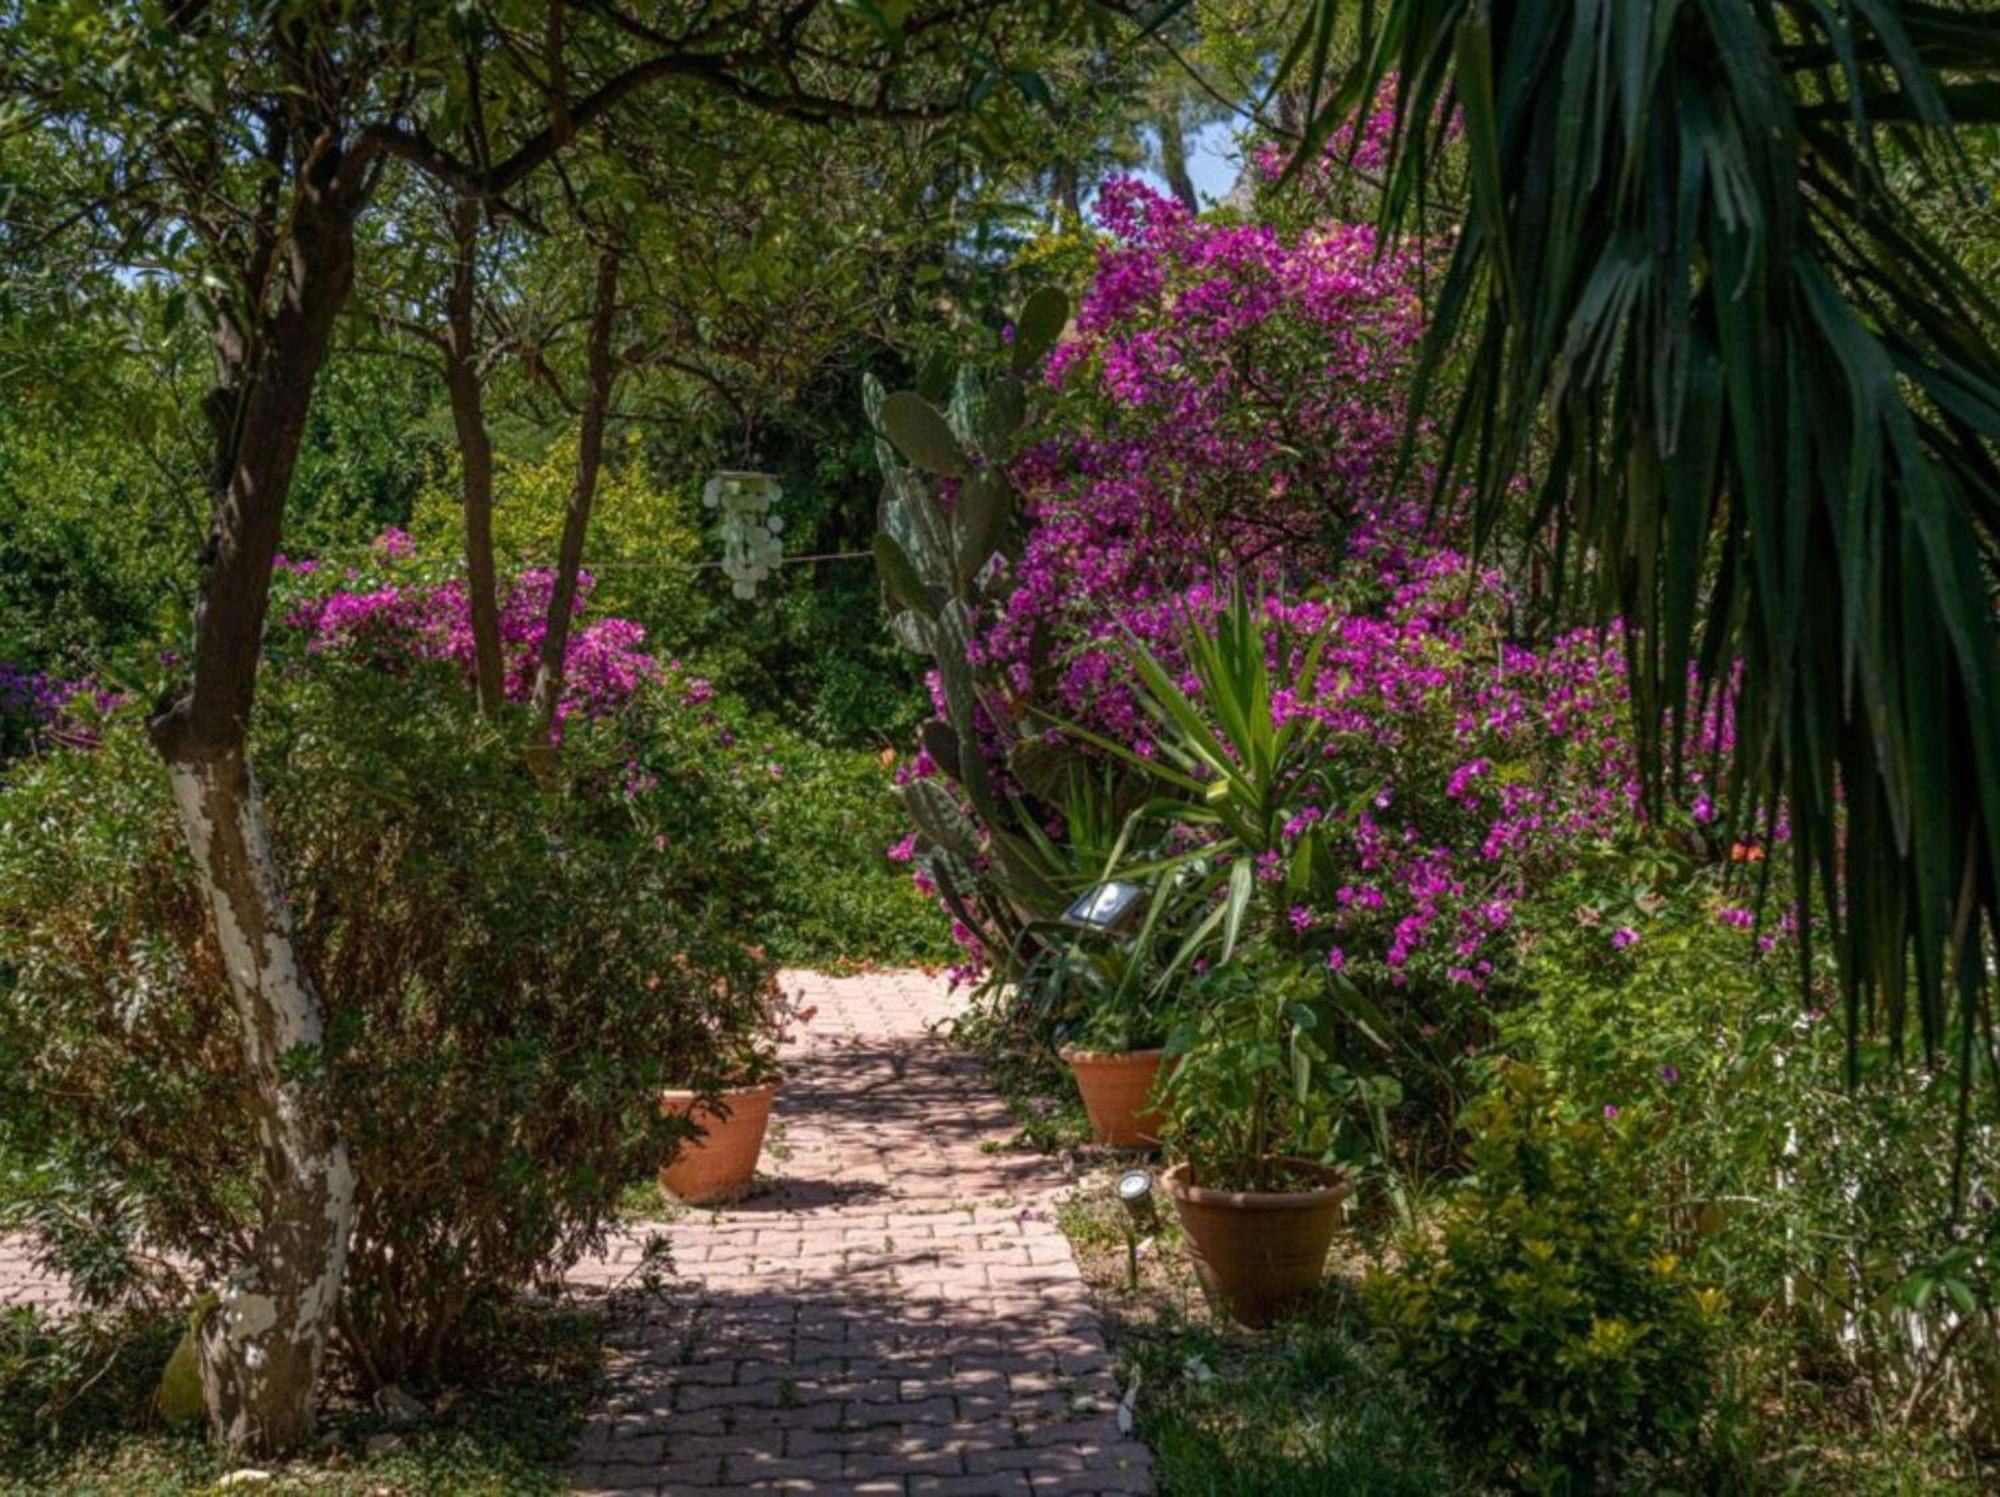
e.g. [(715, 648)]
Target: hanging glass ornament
[(750, 544)]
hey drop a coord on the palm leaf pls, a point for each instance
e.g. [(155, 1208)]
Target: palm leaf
[(1762, 404)]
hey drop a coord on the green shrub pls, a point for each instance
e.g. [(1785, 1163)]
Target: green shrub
[(828, 819), (510, 969), (643, 544), (1556, 1339), (1808, 1197)]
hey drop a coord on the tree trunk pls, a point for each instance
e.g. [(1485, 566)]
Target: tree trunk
[(1174, 157), (475, 458), (1068, 193), (260, 1350), (576, 521)]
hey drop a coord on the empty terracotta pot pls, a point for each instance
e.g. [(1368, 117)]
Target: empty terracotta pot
[(1116, 1085), (1258, 1253), (718, 1165)]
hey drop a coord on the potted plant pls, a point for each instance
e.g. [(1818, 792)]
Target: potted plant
[(727, 1120), (1113, 1028), (1254, 1103), (1117, 1088), (1257, 1097)]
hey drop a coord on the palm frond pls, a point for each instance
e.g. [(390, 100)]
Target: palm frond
[(1762, 401)]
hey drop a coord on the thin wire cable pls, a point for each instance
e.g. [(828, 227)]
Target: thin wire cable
[(337, 559)]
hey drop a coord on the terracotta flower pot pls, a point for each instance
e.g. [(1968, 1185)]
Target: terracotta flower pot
[(719, 1164), (1116, 1085), (1260, 1252)]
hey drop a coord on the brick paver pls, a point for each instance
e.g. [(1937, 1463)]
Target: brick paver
[(21, 1283), (897, 1313)]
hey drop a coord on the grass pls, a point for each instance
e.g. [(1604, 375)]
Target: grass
[(1305, 1410), (75, 1401)]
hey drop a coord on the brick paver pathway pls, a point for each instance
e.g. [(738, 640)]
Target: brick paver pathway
[(897, 1314), (21, 1283)]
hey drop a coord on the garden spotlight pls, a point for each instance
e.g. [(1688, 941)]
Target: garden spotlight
[(1107, 907)]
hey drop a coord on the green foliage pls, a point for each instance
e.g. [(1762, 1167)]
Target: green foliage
[(1812, 1203), (72, 1392), (376, 437), (936, 549), (97, 543), (1232, 773), (47, 1367), (1096, 993), (827, 819), (1260, 1069), (1255, 1072), (642, 547), (1309, 1412), (518, 964), (1556, 1338)]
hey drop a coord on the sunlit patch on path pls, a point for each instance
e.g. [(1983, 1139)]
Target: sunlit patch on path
[(896, 1313)]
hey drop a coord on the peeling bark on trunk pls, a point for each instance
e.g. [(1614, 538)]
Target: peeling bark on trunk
[(260, 1350), (576, 521), (475, 451)]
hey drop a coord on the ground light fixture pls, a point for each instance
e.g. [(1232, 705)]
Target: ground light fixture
[(1142, 1218), (1108, 908), (1135, 1194)]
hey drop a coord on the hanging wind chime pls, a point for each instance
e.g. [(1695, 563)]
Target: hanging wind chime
[(750, 530)]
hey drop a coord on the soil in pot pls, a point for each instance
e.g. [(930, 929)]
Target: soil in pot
[(1116, 1086), (718, 1166), (1258, 1253)]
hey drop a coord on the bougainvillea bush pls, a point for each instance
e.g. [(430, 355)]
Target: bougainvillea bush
[(800, 808), (1223, 430), (38, 709), (1231, 405), (512, 966), (1228, 417)]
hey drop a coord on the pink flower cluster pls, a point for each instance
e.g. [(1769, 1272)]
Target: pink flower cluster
[(1234, 399), (37, 709), (1456, 771), (393, 619)]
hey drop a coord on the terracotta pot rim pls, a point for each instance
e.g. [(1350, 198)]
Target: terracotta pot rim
[(1070, 1055), (1340, 1184), (682, 1094)]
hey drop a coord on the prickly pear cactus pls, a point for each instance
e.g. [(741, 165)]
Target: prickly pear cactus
[(944, 536)]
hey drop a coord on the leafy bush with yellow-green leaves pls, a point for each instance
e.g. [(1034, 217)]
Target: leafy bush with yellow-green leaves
[(1555, 1336), (643, 546)]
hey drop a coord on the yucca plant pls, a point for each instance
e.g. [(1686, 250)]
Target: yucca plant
[(1259, 1071), (1694, 298), (1231, 773)]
